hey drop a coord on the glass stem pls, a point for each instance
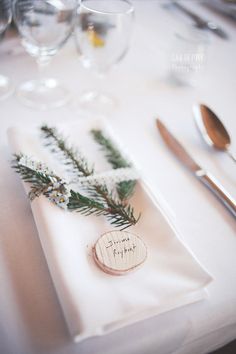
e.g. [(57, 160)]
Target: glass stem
[(42, 63), (99, 81)]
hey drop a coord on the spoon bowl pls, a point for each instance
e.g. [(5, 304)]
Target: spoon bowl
[(212, 129)]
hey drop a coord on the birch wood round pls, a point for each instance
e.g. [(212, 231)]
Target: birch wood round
[(119, 252)]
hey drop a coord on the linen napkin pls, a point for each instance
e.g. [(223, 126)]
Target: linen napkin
[(93, 302)]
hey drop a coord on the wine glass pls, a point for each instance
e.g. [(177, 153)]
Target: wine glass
[(44, 27), (102, 36), (5, 18), (187, 55)]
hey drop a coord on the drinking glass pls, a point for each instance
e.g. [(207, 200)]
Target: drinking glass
[(102, 36), (187, 55), (5, 19), (44, 27)]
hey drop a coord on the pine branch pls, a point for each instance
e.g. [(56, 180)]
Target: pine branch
[(100, 200), (112, 154), (125, 189), (85, 205), (70, 154), (116, 213), (46, 183), (39, 181)]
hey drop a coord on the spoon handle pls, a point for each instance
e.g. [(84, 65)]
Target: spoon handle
[(218, 190), (231, 155)]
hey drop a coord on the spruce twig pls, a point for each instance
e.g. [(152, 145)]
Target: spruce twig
[(125, 189), (39, 181), (100, 200), (71, 156), (116, 214)]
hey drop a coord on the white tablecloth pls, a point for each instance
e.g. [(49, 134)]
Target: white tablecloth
[(31, 320)]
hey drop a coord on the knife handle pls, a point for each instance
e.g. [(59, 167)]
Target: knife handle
[(198, 20), (214, 186)]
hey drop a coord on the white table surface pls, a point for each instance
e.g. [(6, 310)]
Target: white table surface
[(31, 320)]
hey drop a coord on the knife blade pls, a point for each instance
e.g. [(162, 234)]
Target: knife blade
[(200, 22), (206, 178)]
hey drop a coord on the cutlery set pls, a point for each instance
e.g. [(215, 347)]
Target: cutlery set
[(200, 22), (197, 20), (209, 125), (216, 135)]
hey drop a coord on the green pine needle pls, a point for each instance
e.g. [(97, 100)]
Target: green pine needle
[(125, 189), (116, 213), (39, 181), (71, 156), (99, 201), (112, 154)]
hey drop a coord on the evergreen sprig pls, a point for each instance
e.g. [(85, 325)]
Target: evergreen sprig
[(71, 157), (39, 181), (125, 189), (116, 213), (54, 188), (99, 201)]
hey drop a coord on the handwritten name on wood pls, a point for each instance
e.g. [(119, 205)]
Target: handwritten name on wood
[(119, 252)]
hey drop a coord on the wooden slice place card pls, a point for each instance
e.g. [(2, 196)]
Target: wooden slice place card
[(119, 252)]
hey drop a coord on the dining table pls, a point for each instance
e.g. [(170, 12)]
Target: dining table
[(31, 317)]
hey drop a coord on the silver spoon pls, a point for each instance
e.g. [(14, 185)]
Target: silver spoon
[(212, 129)]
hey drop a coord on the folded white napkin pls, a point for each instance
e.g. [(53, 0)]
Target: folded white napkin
[(94, 302)]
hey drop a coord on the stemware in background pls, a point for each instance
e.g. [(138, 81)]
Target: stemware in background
[(187, 55), (102, 37), (44, 27), (6, 87)]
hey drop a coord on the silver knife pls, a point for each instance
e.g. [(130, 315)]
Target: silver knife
[(208, 180), (200, 22)]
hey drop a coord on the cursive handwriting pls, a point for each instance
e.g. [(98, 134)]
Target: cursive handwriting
[(123, 251), (113, 242)]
